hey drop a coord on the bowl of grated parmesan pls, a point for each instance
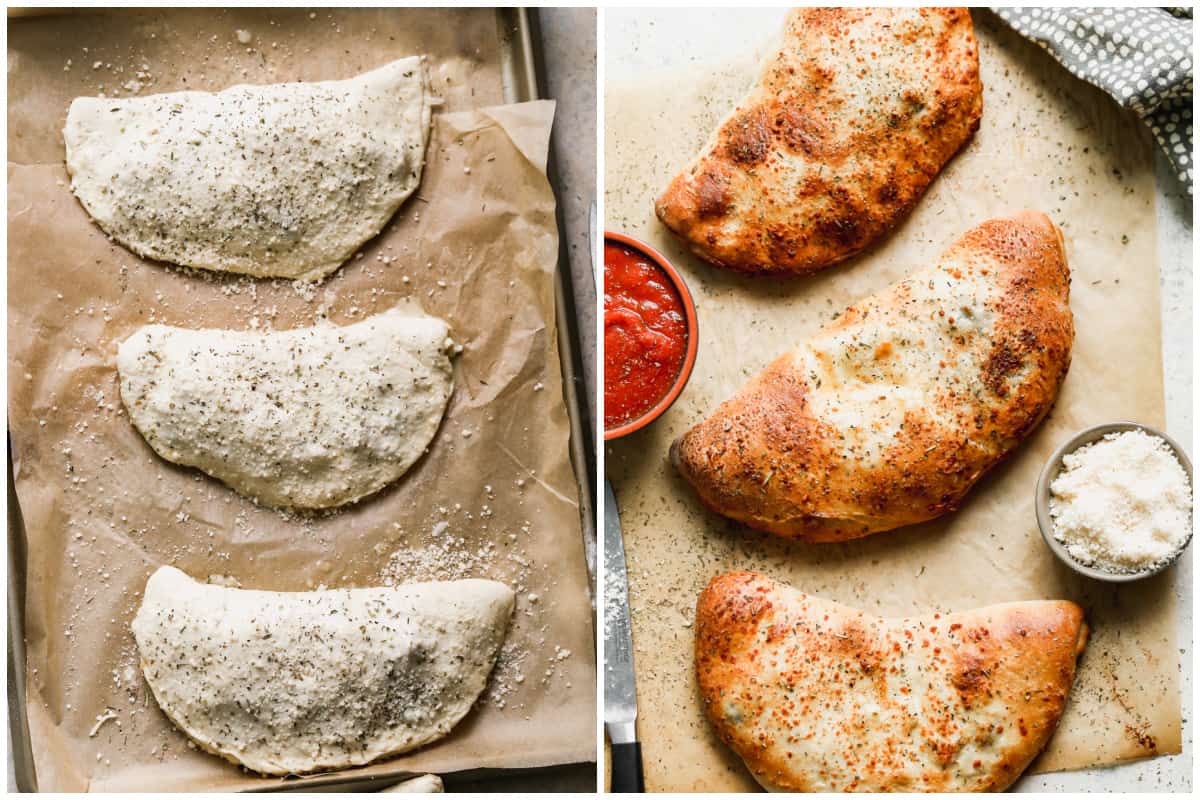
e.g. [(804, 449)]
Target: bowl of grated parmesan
[(1114, 502)]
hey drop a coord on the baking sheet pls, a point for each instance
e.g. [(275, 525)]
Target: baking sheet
[(495, 496), (1048, 142)]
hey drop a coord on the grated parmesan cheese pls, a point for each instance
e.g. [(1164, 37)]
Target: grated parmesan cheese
[(1122, 504)]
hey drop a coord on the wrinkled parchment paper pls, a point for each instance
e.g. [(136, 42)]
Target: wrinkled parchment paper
[(494, 497), (1047, 142)]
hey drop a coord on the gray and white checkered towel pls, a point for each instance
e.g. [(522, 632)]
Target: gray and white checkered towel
[(1140, 56)]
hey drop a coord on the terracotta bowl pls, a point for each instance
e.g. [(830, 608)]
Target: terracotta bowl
[(693, 335), (1054, 466)]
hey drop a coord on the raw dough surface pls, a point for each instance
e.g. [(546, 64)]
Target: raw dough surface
[(306, 418), (294, 682), (285, 180)]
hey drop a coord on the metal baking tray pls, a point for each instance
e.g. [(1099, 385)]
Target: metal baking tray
[(523, 78)]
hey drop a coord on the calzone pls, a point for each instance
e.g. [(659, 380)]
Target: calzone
[(819, 697), (853, 116), (295, 682), (285, 180), (890, 414), (304, 418)]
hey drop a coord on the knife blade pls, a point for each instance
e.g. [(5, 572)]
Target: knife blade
[(620, 687), (592, 228)]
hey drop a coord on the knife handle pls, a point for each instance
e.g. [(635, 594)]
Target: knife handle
[(627, 769)]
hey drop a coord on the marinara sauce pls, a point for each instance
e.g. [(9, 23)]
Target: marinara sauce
[(645, 334)]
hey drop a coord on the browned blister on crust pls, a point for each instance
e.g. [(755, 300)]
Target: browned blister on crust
[(889, 415), (817, 696), (851, 119)]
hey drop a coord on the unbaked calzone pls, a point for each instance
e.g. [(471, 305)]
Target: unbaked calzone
[(304, 418), (285, 180), (295, 682)]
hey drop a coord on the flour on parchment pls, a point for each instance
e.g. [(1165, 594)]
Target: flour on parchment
[(440, 551)]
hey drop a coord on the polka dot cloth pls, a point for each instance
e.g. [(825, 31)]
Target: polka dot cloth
[(1140, 56)]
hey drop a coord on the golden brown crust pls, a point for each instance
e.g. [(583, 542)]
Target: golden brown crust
[(816, 696), (852, 118), (890, 414)]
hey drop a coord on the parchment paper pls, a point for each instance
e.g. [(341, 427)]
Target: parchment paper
[(1047, 142), (495, 496)]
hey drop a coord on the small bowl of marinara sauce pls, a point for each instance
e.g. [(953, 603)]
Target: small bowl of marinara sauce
[(650, 335)]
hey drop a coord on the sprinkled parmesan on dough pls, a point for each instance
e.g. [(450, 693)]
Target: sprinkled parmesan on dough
[(293, 682), (1122, 504), (286, 180), (306, 418)]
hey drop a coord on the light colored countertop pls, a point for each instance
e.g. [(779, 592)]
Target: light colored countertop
[(632, 47)]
